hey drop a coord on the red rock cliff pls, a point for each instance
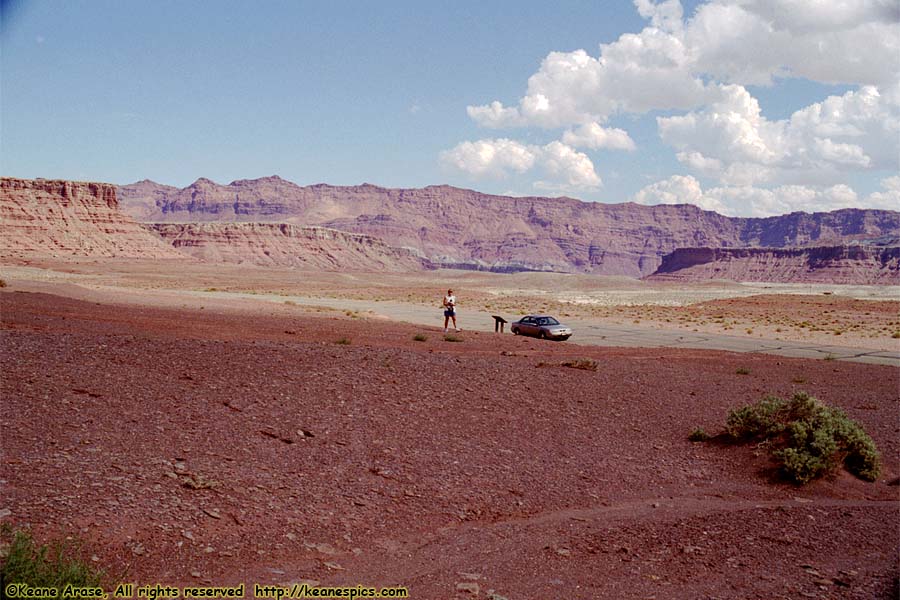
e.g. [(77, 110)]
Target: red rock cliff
[(286, 245), (69, 218)]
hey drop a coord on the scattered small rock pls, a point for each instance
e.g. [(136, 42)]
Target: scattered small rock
[(468, 587), (323, 548), (276, 436)]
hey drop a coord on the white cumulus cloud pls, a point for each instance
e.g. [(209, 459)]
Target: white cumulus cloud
[(593, 136), (566, 165), (730, 139), (495, 116), (678, 189), (751, 201), (563, 167), (491, 158), (752, 41), (804, 16), (664, 15), (694, 69), (638, 72), (889, 198), (732, 41)]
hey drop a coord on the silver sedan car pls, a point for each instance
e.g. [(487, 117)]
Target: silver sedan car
[(541, 326)]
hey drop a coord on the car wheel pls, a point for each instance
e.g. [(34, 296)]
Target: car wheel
[(514, 331), (543, 335)]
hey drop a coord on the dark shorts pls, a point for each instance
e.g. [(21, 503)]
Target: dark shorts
[(449, 312)]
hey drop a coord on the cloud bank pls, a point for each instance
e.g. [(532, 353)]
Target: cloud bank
[(693, 73)]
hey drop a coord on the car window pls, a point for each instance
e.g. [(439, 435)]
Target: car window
[(550, 321)]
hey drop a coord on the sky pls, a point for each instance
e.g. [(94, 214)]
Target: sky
[(745, 107)]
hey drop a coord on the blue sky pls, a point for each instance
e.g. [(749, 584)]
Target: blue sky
[(400, 94)]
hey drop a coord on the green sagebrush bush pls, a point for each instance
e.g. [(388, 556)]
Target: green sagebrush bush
[(55, 565), (806, 437)]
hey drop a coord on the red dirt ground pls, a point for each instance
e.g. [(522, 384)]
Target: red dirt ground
[(191, 446)]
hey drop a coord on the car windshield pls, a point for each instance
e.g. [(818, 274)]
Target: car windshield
[(547, 321)]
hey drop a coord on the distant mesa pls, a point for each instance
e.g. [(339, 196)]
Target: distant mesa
[(861, 263), (461, 228), (273, 222)]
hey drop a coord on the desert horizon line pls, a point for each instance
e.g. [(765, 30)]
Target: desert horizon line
[(452, 187)]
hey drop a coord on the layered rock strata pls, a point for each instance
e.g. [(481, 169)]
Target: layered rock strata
[(285, 245), (55, 218), (853, 264), (464, 228)]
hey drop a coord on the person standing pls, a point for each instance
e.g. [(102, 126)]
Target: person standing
[(450, 310)]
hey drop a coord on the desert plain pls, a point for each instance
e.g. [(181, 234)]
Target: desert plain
[(226, 230), (200, 424)]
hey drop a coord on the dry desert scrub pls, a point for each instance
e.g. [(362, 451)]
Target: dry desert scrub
[(699, 435), (585, 364)]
